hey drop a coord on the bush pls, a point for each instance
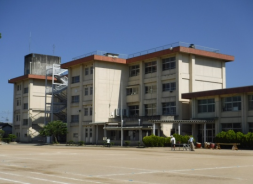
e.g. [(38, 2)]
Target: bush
[(127, 143), (70, 142), (112, 143), (12, 137), (80, 143), (7, 140)]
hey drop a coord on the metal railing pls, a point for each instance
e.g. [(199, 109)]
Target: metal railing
[(164, 47), (171, 45), (100, 53)]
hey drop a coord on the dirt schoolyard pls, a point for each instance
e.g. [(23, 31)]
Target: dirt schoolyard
[(37, 164)]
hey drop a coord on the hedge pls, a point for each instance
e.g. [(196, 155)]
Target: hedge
[(156, 141), (245, 140)]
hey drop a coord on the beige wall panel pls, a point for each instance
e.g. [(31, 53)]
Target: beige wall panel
[(230, 120), (168, 94), (107, 89), (150, 75), (74, 111), (26, 83), (75, 71), (37, 102), (166, 129), (204, 86), (169, 99), (185, 64), (169, 72), (231, 114), (208, 67), (185, 86), (250, 119), (250, 113), (25, 99), (75, 91), (205, 115)]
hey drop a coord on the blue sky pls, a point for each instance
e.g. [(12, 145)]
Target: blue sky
[(77, 27)]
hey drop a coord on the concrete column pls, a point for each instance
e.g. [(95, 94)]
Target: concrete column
[(69, 104), (105, 132), (21, 111), (142, 89), (178, 86), (179, 129), (140, 135), (244, 107), (154, 128), (204, 132), (81, 113), (193, 103), (223, 75), (192, 73), (218, 110), (159, 130), (96, 134), (158, 86), (29, 111)]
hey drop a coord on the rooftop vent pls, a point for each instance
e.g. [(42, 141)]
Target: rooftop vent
[(112, 55), (192, 46)]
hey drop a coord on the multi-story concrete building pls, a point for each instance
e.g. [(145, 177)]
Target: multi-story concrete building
[(29, 96), (105, 89)]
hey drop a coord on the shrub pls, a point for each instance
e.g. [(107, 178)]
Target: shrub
[(12, 137), (112, 143), (70, 142), (127, 143), (80, 143), (7, 140)]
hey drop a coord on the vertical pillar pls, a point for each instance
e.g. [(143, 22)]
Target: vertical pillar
[(223, 75), (178, 86), (158, 87), (192, 73), (81, 103), (105, 133), (69, 104), (96, 134), (142, 88), (140, 135), (204, 132), (159, 130), (29, 110), (179, 129), (122, 133), (153, 128)]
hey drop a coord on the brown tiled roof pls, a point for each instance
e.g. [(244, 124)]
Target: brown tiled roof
[(29, 76), (227, 91)]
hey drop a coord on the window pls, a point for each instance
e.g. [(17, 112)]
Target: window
[(18, 101), (169, 63), (91, 90), (91, 70), (169, 86), (134, 110), (18, 87), (25, 122), (250, 127), (150, 67), (75, 79), (25, 135), (17, 117), (90, 132), (231, 126), (86, 92), (91, 111), (134, 70), (169, 108), (150, 109), (232, 103), (86, 132), (75, 99), (206, 105), (132, 91), (250, 102), (74, 118), (86, 111), (86, 71), (25, 90), (25, 105), (75, 135), (150, 89)]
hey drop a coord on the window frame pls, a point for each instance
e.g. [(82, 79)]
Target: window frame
[(169, 108), (171, 86), (75, 79), (150, 89), (133, 110), (150, 67), (206, 105), (150, 109), (230, 103), (75, 99), (75, 118), (168, 63), (86, 71), (134, 70)]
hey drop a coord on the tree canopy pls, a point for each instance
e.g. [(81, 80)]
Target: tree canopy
[(1, 134), (54, 128)]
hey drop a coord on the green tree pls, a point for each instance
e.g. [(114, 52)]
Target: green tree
[(12, 137), (1, 134), (54, 128)]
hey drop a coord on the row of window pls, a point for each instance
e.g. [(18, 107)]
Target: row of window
[(75, 99), (152, 89), (229, 104), (151, 67), (87, 112), (87, 71), (19, 89)]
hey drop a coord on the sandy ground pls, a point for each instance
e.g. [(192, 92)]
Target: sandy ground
[(34, 164)]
